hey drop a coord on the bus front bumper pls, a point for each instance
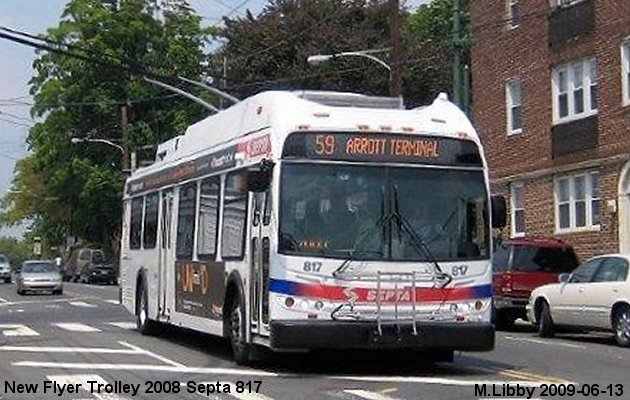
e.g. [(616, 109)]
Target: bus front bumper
[(299, 335)]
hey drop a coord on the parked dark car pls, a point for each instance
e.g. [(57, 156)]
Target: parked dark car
[(99, 273), (521, 265)]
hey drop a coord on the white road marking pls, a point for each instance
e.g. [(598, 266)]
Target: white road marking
[(436, 381), (35, 349), (76, 327), (82, 304), (366, 394), (17, 330), (22, 302), (148, 367), (545, 342), (245, 395), (151, 354), (3, 300), (110, 301), (83, 380), (123, 325)]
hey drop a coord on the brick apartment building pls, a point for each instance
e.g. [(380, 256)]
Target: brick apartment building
[(551, 90)]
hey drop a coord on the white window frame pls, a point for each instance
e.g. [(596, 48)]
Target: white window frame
[(513, 22), (567, 3), (589, 199), (516, 188), (585, 86), (510, 85), (625, 72)]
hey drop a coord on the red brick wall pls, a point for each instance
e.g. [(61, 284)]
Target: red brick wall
[(498, 54)]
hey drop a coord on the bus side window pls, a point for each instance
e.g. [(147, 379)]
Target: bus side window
[(208, 219), (150, 220), (234, 216), (136, 223), (186, 221)]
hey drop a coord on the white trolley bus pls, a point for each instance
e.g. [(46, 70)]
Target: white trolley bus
[(310, 220)]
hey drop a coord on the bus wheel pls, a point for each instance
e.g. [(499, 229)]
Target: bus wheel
[(143, 323), (236, 332)]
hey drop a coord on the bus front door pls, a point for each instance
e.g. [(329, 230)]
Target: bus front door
[(259, 264), (166, 251)]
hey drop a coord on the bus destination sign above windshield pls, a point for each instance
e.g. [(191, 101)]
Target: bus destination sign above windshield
[(382, 147)]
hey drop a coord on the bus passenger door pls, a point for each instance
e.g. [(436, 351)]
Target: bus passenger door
[(166, 249), (259, 263)]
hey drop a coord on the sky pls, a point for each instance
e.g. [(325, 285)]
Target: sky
[(35, 16)]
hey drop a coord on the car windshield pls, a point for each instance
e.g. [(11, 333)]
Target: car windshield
[(339, 211), (543, 259), (3, 259), (97, 257), (42, 267)]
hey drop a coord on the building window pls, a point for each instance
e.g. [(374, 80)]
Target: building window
[(567, 3), (517, 210), (625, 70), (574, 90), (234, 216), (578, 202), (514, 109), (152, 202), (514, 13)]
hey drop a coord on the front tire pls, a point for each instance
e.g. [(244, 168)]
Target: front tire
[(545, 323), (236, 332), (622, 327), (144, 325), (7, 280)]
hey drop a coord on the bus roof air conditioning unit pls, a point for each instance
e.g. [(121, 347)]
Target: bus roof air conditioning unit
[(345, 99)]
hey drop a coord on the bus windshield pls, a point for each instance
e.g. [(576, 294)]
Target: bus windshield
[(341, 211)]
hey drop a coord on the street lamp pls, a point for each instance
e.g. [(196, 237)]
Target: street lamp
[(322, 58), (76, 140)]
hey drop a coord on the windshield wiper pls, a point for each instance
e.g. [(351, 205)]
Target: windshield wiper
[(416, 241)]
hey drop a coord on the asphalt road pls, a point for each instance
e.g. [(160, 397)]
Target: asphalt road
[(85, 336)]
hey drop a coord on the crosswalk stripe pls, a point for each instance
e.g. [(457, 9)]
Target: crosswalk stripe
[(366, 394), (83, 380), (76, 327), (123, 325), (82, 304), (17, 330), (110, 301)]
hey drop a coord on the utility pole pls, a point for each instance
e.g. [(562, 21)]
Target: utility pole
[(457, 74), (126, 156), (395, 84)]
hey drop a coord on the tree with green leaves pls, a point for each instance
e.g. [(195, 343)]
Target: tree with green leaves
[(112, 44)]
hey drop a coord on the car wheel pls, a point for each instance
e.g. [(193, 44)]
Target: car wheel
[(545, 323), (143, 323), (622, 327), (58, 292), (236, 332)]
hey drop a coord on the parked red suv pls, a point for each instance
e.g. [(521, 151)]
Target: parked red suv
[(519, 266)]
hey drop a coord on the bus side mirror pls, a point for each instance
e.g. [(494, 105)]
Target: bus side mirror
[(259, 176), (499, 214)]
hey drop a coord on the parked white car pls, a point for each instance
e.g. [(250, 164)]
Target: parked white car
[(595, 296)]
